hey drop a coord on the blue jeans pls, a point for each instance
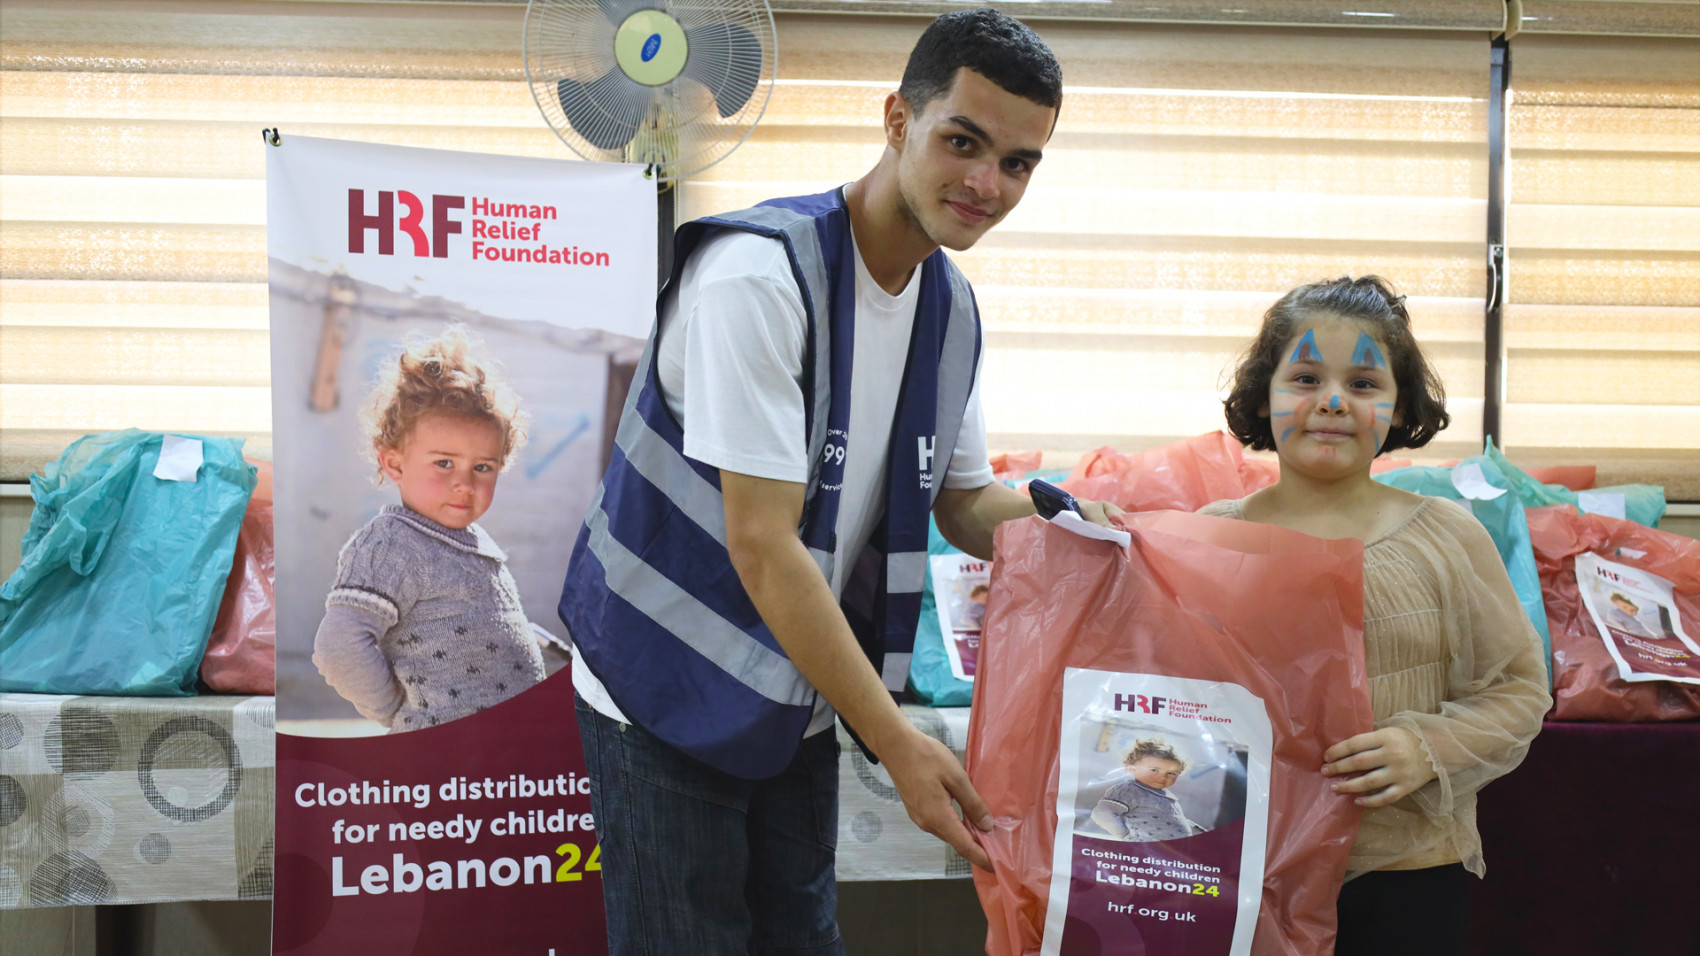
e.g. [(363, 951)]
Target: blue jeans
[(696, 862)]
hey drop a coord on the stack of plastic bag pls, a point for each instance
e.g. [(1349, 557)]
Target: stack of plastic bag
[(1183, 476), (241, 657), (1642, 504), (1481, 485), (1090, 650), (937, 676), (1623, 601), (124, 563)]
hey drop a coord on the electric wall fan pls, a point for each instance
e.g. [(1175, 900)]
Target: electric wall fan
[(676, 85)]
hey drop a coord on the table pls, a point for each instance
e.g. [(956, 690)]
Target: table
[(135, 799), (1592, 844), (876, 838)]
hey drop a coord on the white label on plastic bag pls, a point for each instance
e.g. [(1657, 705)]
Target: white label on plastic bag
[(1152, 856), (1636, 614), (1472, 484), (1069, 521), (1612, 504), (179, 459), (961, 586)]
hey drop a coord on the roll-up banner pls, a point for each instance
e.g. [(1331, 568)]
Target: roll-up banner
[(452, 336)]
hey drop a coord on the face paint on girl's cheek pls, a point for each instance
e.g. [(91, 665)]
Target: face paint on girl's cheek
[(1377, 418), (1367, 354)]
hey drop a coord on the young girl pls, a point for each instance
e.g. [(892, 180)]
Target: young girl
[(424, 623), (1140, 809), (1457, 681)]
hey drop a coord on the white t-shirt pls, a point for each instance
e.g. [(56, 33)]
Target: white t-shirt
[(731, 369)]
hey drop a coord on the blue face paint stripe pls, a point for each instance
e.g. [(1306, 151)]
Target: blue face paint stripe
[(1306, 350), (1380, 441), (1285, 434), (1367, 354)]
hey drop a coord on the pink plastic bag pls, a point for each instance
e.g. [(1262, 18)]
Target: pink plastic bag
[(1185, 475), (1287, 634), (1587, 684), (241, 657), (1014, 465)]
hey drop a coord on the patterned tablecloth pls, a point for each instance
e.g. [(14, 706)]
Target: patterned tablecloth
[(135, 800), (876, 839)]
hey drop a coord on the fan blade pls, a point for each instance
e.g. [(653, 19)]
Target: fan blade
[(606, 111), (726, 58), (618, 10)]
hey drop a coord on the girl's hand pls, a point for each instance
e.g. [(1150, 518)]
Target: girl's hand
[(1392, 764)]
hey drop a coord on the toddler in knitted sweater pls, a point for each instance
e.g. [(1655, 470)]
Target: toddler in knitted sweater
[(1140, 809), (424, 623)]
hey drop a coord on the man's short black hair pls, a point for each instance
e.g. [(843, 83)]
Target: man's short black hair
[(995, 45)]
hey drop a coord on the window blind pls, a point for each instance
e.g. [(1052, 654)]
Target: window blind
[(1195, 175), (1603, 234)]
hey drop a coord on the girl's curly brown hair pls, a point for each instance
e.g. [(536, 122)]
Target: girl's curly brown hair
[(443, 375), (1371, 300)]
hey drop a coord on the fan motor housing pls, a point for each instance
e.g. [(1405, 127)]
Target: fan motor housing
[(650, 47)]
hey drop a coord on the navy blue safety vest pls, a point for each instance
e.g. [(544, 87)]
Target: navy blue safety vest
[(652, 601)]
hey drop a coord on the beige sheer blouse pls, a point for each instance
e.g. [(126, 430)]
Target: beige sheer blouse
[(1452, 658)]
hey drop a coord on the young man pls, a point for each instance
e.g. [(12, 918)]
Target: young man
[(760, 537)]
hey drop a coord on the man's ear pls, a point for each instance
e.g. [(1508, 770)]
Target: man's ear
[(897, 118)]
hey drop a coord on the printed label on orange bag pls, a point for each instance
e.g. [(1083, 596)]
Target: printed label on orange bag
[(1636, 613), (1162, 816)]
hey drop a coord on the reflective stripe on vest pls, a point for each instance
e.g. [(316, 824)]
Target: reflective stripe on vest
[(651, 598)]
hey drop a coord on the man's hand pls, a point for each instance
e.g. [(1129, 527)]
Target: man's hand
[(1392, 762), (1098, 512), (928, 777)]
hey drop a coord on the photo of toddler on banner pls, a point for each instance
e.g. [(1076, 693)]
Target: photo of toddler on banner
[(424, 623), (1140, 809)]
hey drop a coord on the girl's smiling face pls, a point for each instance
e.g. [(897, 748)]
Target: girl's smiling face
[(1332, 399), (446, 470)]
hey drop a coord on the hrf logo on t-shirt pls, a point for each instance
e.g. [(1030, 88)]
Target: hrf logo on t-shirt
[(384, 222), (1139, 703), (924, 452)]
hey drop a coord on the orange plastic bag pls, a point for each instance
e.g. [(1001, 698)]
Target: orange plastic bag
[(1014, 465), (1163, 649), (241, 657), (1185, 475), (1588, 682)]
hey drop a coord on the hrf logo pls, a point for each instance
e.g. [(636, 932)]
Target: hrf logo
[(385, 224), (1141, 703), (924, 455)]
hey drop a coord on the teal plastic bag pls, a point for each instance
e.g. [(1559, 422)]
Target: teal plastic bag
[(1504, 519), (930, 677), (1642, 504), (123, 570)]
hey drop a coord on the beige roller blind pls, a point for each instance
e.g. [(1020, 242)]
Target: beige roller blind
[(1603, 234), (132, 188), (1196, 174)]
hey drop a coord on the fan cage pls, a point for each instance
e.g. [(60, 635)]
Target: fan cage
[(678, 128)]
